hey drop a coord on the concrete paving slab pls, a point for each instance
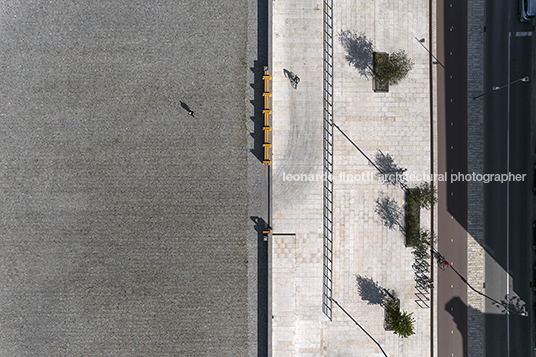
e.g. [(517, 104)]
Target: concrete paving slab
[(398, 124)]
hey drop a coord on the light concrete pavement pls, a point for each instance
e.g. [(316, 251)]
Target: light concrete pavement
[(398, 124)]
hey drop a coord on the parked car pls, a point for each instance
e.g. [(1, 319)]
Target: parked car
[(527, 10)]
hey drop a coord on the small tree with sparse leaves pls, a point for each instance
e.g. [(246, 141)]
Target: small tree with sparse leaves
[(393, 68)]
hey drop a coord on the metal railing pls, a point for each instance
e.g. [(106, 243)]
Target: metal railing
[(328, 161)]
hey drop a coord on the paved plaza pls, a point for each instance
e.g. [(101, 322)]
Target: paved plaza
[(366, 124)]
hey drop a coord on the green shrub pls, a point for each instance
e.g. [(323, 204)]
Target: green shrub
[(412, 219), (425, 195), (400, 322)]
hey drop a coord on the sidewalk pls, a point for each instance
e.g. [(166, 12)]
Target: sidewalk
[(398, 124)]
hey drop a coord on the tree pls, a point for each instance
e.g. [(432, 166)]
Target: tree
[(405, 325), (400, 322), (393, 68), (426, 195), (422, 240)]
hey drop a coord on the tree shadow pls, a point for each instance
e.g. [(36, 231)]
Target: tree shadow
[(372, 292), (509, 305), (389, 211), (390, 173), (512, 305), (359, 51)]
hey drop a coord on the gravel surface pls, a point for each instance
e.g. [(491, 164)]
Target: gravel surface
[(125, 222)]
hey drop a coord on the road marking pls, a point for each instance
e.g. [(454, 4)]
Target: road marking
[(523, 34), (508, 201)]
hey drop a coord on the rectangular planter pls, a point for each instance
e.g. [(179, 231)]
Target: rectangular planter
[(379, 86), (386, 324), (413, 218)]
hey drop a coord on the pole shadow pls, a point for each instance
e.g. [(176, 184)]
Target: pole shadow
[(262, 287), (357, 147), (361, 327)]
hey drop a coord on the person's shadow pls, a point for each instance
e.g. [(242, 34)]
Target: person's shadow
[(187, 108), (292, 77)]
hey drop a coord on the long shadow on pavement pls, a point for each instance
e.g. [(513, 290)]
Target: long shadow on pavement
[(362, 329), (262, 287), (257, 85)]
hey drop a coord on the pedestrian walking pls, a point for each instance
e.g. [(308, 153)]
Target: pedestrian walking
[(296, 79), (190, 113)]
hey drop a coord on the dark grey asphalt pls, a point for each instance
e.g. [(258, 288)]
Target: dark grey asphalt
[(452, 158), (508, 336), (125, 223)]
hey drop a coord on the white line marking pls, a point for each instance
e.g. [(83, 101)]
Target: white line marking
[(508, 201)]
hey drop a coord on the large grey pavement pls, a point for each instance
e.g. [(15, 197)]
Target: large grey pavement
[(125, 226)]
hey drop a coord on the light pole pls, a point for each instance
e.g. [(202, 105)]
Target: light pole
[(524, 79), (421, 41), (506, 304)]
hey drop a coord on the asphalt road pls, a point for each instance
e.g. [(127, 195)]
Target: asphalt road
[(128, 227), (507, 206), (507, 210)]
